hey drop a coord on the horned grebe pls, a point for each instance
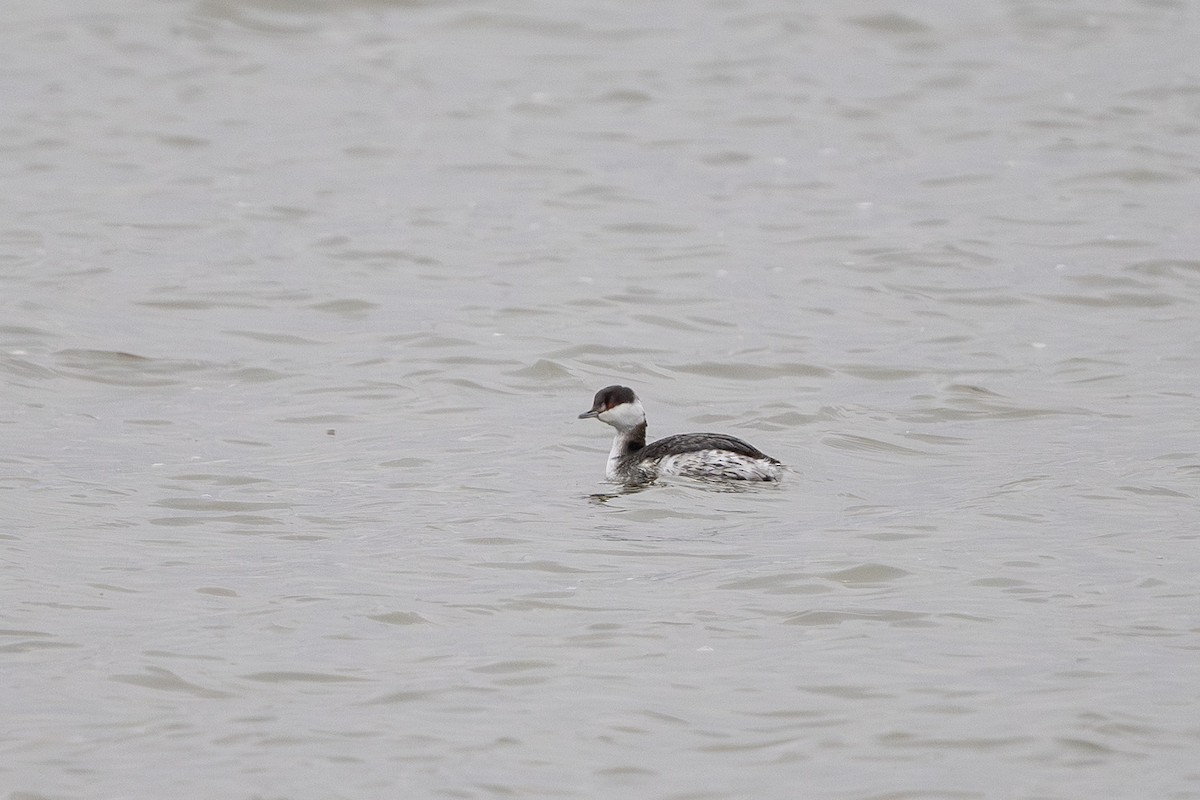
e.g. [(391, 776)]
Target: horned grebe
[(695, 455)]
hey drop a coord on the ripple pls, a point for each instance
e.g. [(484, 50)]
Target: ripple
[(349, 307), (865, 444), (125, 369), (205, 504), (300, 677), (1114, 300), (399, 618), (890, 22), (166, 681), (866, 575), (1167, 268), (750, 372), (275, 338), (823, 617)]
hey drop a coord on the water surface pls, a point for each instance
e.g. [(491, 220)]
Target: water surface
[(300, 302)]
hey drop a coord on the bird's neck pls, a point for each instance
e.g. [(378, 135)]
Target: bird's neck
[(626, 443)]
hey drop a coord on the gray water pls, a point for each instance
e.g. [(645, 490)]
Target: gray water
[(300, 301)]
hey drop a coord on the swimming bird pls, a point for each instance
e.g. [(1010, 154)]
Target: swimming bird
[(695, 455)]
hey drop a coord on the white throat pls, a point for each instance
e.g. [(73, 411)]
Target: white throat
[(630, 421)]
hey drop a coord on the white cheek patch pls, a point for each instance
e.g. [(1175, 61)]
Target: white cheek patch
[(624, 416)]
